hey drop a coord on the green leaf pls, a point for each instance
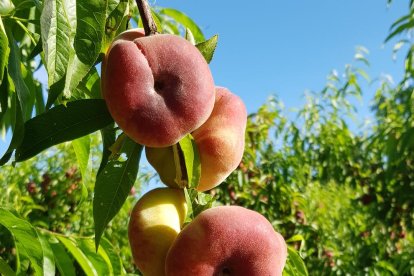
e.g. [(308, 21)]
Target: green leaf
[(117, 16), (89, 30), (26, 239), (197, 202), (6, 6), (4, 95), (157, 21), (208, 47), (186, 21), (189, 201), (191, 160), (49, 267), (108, 137), (5, 269), (294, 264), (57, 24), (61, 124), (63, 260), (4, 49), (401, 28), (73, 247), (89, 87), (36, 50), (387, 266), (18, 133), (98, 259), (110, 251), (76, 71), (113, 185), (54, 92), (189, 36), (81, 147), (15, 72)]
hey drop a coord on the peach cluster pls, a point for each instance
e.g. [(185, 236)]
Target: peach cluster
[(159, 89)]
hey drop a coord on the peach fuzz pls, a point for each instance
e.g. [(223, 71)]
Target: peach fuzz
[(157, 88), (227, 240)]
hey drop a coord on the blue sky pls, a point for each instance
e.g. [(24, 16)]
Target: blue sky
[(287, 47)]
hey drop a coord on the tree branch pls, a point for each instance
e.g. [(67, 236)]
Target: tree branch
[(148, 22)]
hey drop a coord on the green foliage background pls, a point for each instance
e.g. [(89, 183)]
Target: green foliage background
[(341, 194)]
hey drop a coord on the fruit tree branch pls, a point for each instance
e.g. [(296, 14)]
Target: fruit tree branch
[(148, 22)]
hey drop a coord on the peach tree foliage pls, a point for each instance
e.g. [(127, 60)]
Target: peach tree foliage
[(69, 38), (343, 193)]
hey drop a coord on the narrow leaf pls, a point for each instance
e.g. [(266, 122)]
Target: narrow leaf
[(294, 264), (402, 28), (4, 50), (114, 258), (76, 71), (5, 269), (57, 24), (61, 124), (189, 36), (18, 133), (4, 95), (49, 267), (89, 30), (191, 160), (108, 138), (77, 253), (36, 50), (55, 91), (186, 21), (81, 147), (113, 185), (99, 263), (15, 72), (208, 47), (62, 259), (117, 14), (6, 7), (26, 239)]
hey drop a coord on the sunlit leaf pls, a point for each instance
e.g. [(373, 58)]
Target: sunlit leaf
[(208, 47), (25, 237), (6, 6), (191, 160), (58, 23), (294, 265), (186, 21), (4, 50), (116, 21), (81, 147), (73, 247), (15, 72), (48, 256)]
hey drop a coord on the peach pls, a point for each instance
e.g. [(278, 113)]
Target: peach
[(155, 222), (157, 88), (227, 240), (220, 142)]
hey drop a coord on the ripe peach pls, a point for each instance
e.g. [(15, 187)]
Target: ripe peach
[(157, 88), (220, 142), (155, 222), (227, 240)]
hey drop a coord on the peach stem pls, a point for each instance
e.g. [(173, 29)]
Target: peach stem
[(148, 22)]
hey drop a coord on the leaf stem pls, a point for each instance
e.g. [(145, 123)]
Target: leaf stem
[(148, 22)]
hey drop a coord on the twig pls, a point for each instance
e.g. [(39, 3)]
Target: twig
[(148, 22)]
